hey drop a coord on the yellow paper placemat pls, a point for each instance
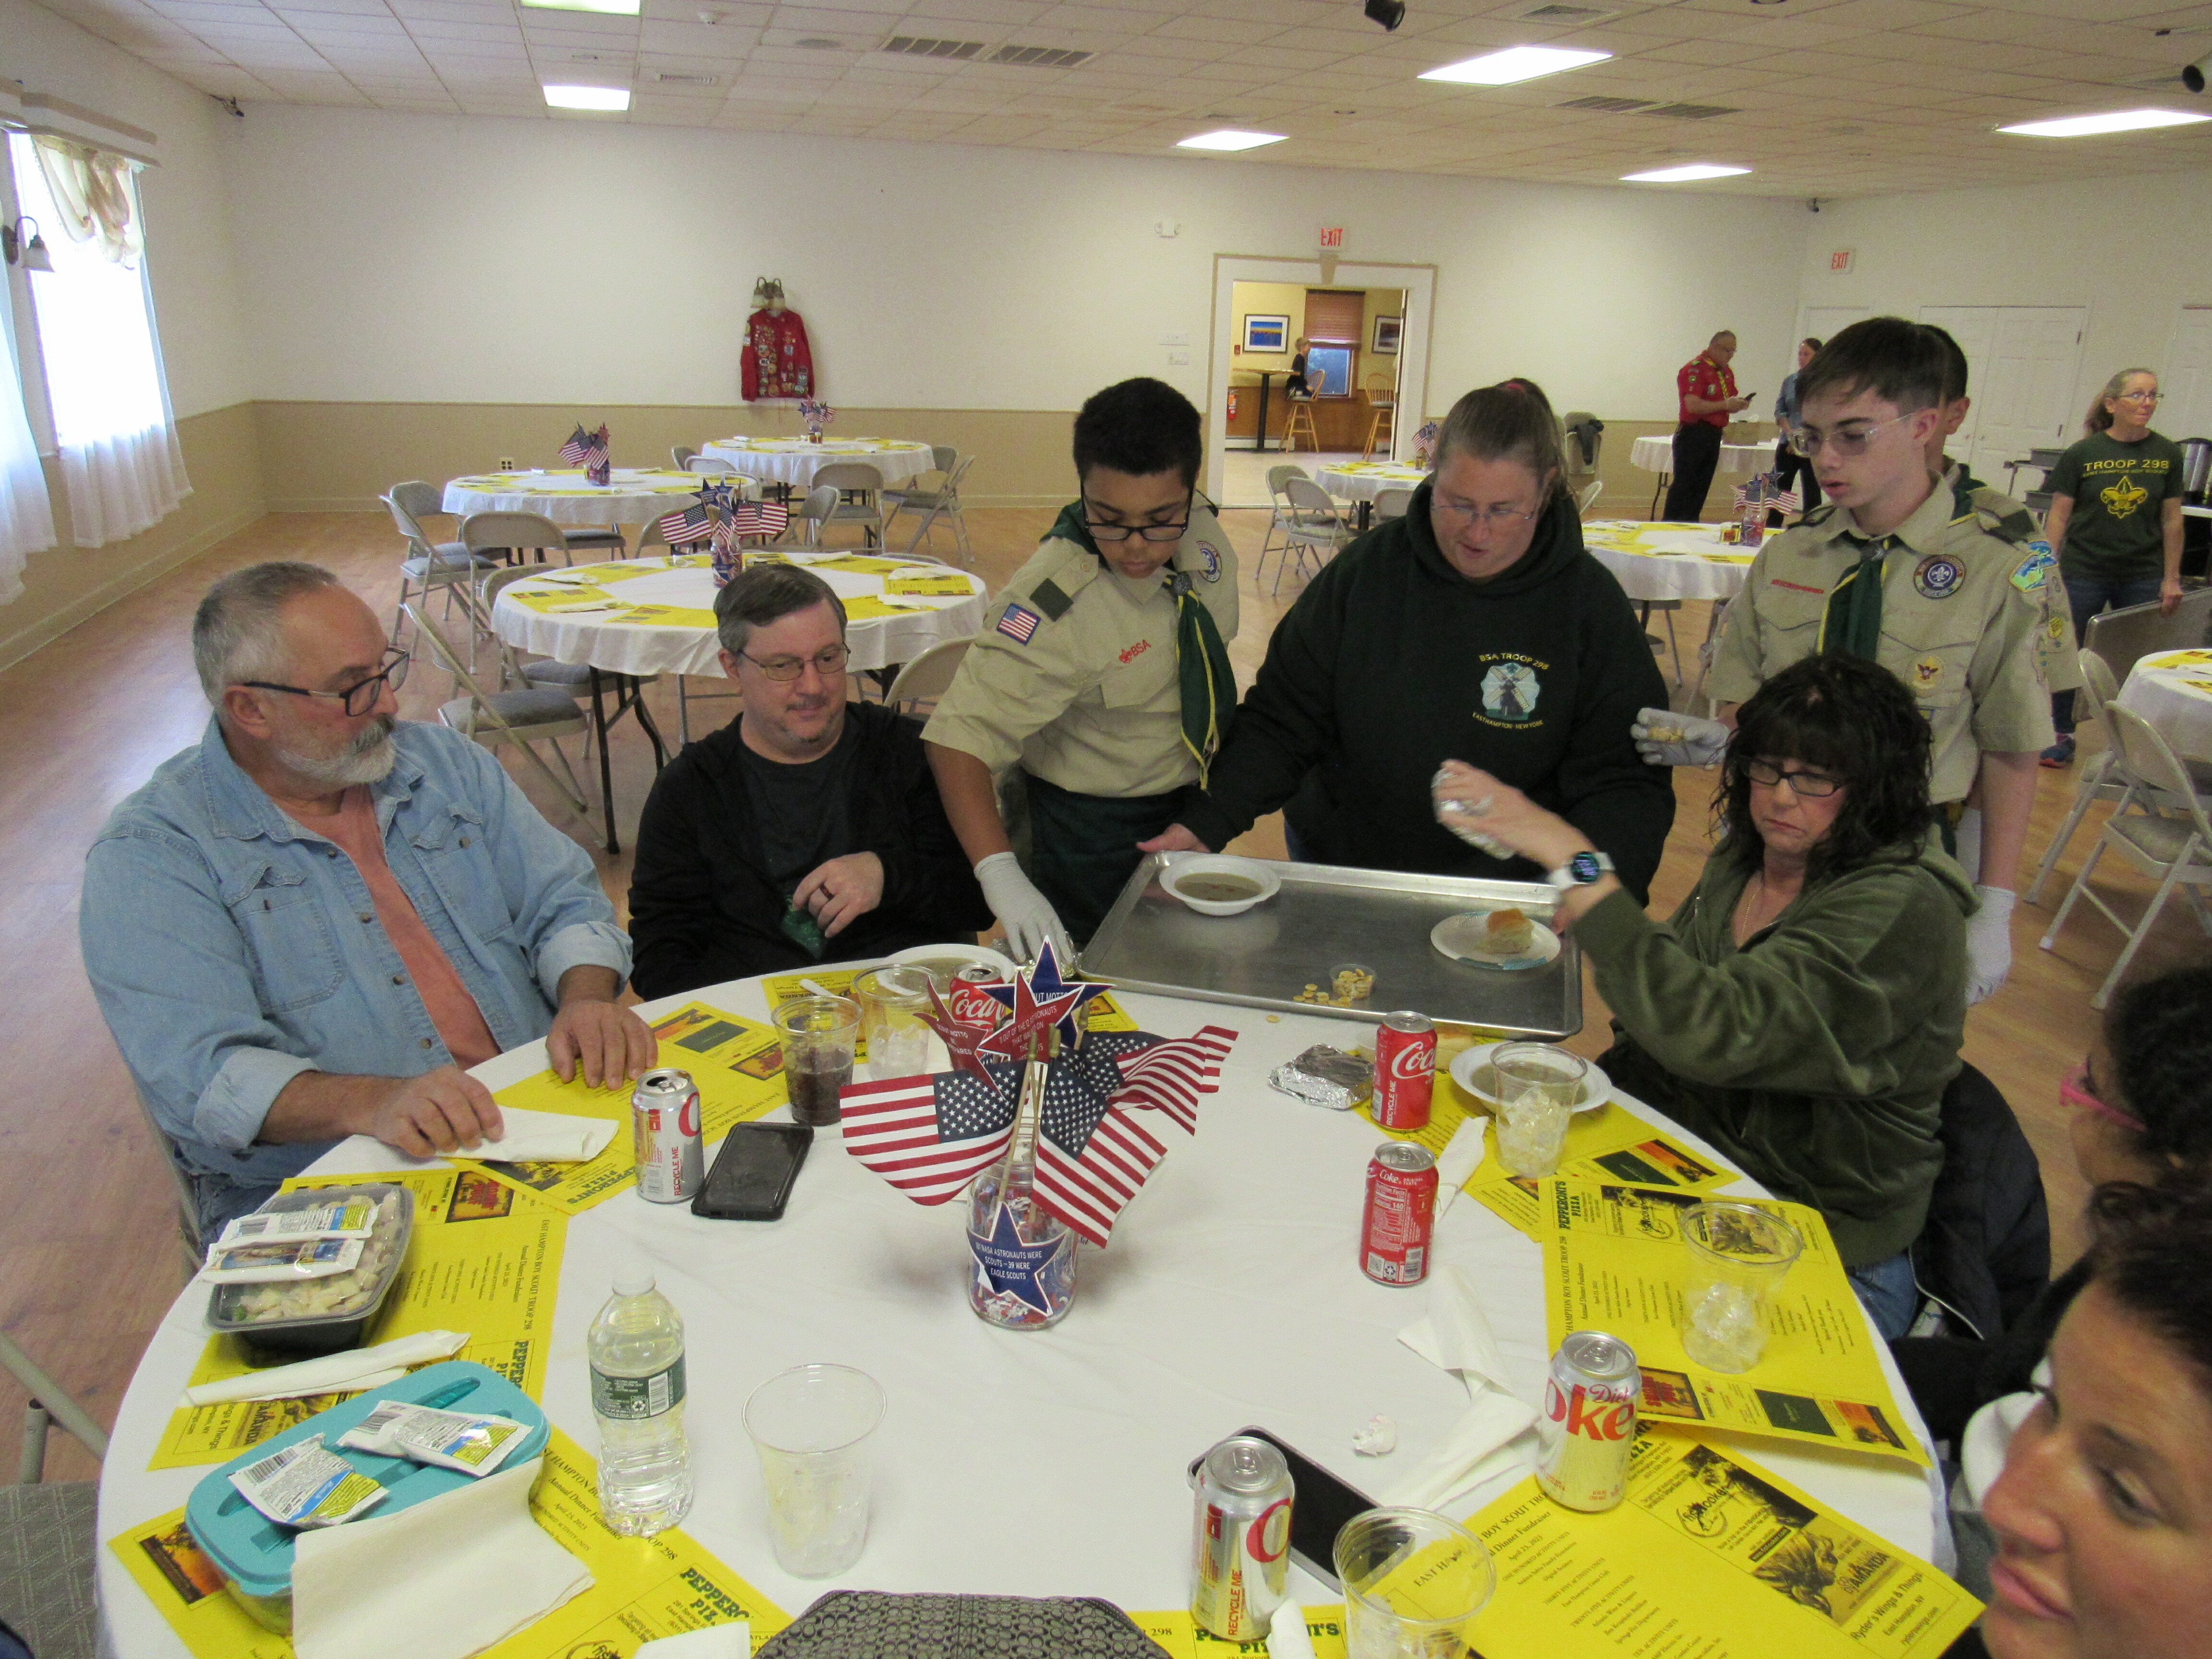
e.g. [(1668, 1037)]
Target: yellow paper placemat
[(663, 616), (620, 571), (858, 564), (559, 601), (935, 586), (1179, 1634), (642, 1588), (1615, 1261), (1716, 1549), (737, 1063), (482, 1260), (1609, 1143)]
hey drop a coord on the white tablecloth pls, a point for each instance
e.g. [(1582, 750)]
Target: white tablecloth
[(691, 647), (792, 460), (1659, 560), (1046, 1463), (632, 495), (2173, 689), (1362, 481), (1655, 453)]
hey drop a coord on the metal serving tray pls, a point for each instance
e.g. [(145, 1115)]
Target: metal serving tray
[(1324, 918)]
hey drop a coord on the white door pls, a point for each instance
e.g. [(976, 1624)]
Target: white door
[(2022, 362), (2186, 376), (1975, 329)]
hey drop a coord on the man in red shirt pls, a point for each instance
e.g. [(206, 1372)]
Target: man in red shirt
[(1706, 386)]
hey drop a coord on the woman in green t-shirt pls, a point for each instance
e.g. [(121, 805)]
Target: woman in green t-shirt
[(2115, 518)]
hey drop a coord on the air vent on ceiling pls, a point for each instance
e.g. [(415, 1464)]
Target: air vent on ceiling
[(1690, 111), (1039, 56), (1608, 106), (912, 45), (1557, 12), (668, 80)]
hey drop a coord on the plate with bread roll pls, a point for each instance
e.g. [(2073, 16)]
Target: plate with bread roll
[(1504, 937)]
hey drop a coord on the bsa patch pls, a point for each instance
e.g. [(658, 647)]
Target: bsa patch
[(1510, 691), (1211, 555), (2035, 569), (1018, 622), (1926, 675), (1938, 576)]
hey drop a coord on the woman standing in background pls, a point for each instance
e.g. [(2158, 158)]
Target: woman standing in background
[(1787, 461)]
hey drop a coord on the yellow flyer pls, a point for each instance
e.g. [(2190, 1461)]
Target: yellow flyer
[(643, 1587), (665, 616), (482, 1260), (567, 596), (933, 584), (736, 1062), (857, 565), (1609, 1143), (867, 607), (1615, 1261), (1102, 1014), (1179, 1634), (1709, 1555)]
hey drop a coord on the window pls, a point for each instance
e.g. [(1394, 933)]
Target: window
[(1329, 368)]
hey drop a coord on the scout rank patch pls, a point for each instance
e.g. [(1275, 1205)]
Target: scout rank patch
[(1938, 576), (1926, 675)]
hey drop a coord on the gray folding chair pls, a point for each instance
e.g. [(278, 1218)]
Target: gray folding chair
[(859, 486), (507, 534), (927, 677), (428, 564), (1314, 527), (1590, 493), (523, 718), (1279, 517), (48, 1539), (682, 454), (1391, 503), (812, 516), (2121, 637), (943, 501)]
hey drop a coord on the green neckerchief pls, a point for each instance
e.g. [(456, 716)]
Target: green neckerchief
[(1851, 619), (1207, 683)]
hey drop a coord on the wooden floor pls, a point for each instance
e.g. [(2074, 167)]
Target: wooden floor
[(88, 1256)]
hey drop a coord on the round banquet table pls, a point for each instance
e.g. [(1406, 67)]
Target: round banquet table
[(1661, 560), (1655, 453), (2173, 689), (1363, 481), (1037, 1463), (631, 495), (793, 461)]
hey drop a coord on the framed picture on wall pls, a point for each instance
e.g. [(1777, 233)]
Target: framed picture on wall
[(1386, 333), (1264, 333)]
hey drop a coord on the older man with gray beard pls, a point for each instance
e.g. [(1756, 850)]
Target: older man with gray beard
[(307, 926)]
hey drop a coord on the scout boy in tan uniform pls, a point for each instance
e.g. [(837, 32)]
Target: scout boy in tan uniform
[(1100, 673)]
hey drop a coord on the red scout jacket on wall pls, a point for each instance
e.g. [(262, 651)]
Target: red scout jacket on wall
[(777, 362)]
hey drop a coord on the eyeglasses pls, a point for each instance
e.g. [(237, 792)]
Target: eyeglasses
[(2139, 396), (1122, 532), (2074, 1091), (1812, 786), (829, 659), (359, 697), (1498, 517), (1806, 442)]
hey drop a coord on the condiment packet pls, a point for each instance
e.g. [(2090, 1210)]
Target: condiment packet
[(349, 1217), (306, 1485), (450, 1440), (269, 1264)]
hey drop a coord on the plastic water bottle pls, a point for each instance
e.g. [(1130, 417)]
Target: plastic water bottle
[(636, 1350)]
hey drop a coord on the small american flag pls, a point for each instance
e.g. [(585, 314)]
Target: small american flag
[(1018, 623), (759, 518), (1785, 501), (1093, 1151), (573, 452), (930, 1136), (693, 523)]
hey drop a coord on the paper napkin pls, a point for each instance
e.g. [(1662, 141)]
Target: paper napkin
[(1462, 1158), (730, 1641), (1456, 1335), (356, 1368), (543, 1138)]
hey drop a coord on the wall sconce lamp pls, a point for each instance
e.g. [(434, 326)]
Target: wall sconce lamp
[(29, 252)]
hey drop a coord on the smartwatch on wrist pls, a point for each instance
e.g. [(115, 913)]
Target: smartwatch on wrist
[(1580, 871)]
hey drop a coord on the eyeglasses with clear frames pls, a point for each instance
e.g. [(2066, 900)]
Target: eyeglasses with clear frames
[(1498, 517), (1806, 442), (1813, 786), (362, 696), (829, 659), (2139, 396)]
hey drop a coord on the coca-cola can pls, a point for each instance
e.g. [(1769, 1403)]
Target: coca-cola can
[(1588, 1429), (1401, 1220), (1405, 1070), (1241, 1541), (969, 1002), (665, 1124)]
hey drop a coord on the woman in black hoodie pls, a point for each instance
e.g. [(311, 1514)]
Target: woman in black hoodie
[(1476, 628)]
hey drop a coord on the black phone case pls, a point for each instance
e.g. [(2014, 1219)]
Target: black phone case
[(1321, 1498), (754, 1172)]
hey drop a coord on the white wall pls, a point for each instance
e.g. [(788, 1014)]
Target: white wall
[(195, 277), (419, 259)]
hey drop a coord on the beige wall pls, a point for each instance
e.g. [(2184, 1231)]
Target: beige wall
[(1267, 300)]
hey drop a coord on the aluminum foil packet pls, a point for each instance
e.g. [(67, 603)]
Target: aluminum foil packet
[(1326, 1076)]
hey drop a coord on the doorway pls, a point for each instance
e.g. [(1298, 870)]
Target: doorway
[(2022, 363)]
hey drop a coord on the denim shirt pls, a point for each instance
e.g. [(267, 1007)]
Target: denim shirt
[(232, 949), (1786, 407)]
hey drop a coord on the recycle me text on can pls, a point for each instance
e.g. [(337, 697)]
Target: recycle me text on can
[(1404, 1071), (1241, 1542), (665, 1124), (1587, 1426)]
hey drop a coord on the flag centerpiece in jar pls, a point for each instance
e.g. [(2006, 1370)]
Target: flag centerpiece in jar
[(816, 415), (720, 520), (591, 451), (1050, 1122)]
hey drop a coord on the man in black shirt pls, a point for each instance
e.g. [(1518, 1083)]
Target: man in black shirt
[(808, 829)]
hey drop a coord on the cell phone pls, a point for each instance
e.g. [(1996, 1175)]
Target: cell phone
[(754, 1172), (1320, 1505)]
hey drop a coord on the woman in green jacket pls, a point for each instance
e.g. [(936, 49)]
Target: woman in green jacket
[(1803, 1008)]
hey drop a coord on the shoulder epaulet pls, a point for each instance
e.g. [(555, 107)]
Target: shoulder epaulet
[(1820, 515), (1058, 581), (2002, 517)]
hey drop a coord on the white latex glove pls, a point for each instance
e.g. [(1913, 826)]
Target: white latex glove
[(1029, 916), (1688, 740), (1989, 944)]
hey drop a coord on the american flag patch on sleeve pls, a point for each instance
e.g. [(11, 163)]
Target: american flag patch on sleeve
[(1018, 622)]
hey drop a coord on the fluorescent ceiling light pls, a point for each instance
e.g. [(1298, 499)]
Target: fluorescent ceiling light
[(1682, 175), (615, 98), (1230, 138), (1503, 68), (2118, 120), (620, 7)]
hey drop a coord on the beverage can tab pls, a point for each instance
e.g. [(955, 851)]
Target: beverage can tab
[(306, 1485)]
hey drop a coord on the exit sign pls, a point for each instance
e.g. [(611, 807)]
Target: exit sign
[(1840, 260), (1332, 235)]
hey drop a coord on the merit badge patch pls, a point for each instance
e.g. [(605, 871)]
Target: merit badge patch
[(1211, 555), (2035, 569), (1018, 622), (1938, 576), (1510, 691)]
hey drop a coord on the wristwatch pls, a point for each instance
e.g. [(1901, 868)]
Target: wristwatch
[(1580, 871)]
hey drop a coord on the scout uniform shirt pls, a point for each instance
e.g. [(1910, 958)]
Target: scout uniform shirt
[(1701, 377), (1963, 624), (2007, 520), (1074, 671)]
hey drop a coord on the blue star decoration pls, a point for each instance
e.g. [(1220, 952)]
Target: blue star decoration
[(1013, 1267), (1045, 984)]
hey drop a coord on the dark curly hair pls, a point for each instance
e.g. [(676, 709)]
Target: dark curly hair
[(2152, 1244), (1853, 719), (2159, 1033)]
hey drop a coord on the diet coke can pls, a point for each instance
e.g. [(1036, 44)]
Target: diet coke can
[(1405, 1070), (664, 1123), (1401, 1213), (1588, 1425), (1241, 1539)]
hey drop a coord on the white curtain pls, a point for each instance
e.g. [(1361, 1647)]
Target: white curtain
[(120, 460), (27, 519)]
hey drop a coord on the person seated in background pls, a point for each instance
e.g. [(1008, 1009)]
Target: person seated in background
[(1802, 1008), (2103, 1542), (304, 927), (1477, 625), (1300, 383), (808, 829)]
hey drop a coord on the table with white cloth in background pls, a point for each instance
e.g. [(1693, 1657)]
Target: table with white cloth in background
[(1661, 563), (1655, 453), (793, 461), (1363, 481), (658, 618), (2173, 689), (631, 495), (1035, 1463)]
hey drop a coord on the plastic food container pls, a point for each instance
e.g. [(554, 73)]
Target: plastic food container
[(290, 1337), (254, 1554)]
